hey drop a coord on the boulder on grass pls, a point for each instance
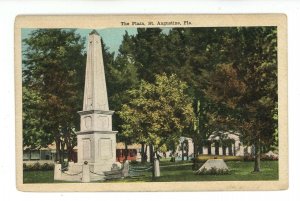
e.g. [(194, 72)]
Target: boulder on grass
[(271, 154), (213, 166)]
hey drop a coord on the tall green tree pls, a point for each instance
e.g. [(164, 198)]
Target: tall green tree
[(244, 91), (121, 75), (34, 136), (53, 72), (261, 98), (150, 54), (158, 113)]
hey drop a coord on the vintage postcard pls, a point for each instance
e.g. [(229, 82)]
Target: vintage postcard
[(151, 102)]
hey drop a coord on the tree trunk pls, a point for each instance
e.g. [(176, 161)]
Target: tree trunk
[(156, 156), (70, 154), (126, 151), (230, 149), (144, 159), (57, 156), (62, 145), (151, 153), (209, 148), (224, 150), (217, 148), (187, 150), (146, 153), (195, 150), (200, 150), (182, 151), (142, 152), (257, 157), (234, 152), (195, 154), (69, 147), (152, 160)]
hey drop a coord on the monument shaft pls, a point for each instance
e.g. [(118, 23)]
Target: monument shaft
[(95, 94)]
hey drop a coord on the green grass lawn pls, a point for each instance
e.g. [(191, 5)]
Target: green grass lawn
[(239, 171), (38, 176)]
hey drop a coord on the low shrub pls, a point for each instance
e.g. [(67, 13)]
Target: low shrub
[(172, 159), (248, 158), (269, 158), (203, 158), (37, 166), (197, 166), (134, 162), (47, 166), (263, 157)]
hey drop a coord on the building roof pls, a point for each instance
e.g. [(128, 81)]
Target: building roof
[(224, 136)]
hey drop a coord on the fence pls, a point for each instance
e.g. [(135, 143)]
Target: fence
[(137, 170)]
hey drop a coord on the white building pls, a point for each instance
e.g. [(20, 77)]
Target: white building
[(226, 143)]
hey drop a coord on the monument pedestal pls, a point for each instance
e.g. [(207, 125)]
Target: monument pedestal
[(98, 149), (79, 172)]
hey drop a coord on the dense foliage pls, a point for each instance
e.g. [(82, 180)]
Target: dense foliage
[(53, 67), (157, 113)]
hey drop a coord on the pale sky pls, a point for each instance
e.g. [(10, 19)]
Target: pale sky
[(112, 37)]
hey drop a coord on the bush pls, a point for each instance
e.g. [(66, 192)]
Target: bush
[(203, 158), (172, 159), (248, 158), (263, 157), (38, 167), (134, 162), (268, 158), (47, 166), (213, 171), (197, 166)]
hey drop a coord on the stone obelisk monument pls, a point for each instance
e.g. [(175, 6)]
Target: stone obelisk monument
[(96, 141)]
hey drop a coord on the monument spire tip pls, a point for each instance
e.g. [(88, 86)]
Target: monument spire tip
[(94, 32)]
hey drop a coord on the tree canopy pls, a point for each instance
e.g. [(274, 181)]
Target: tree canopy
[(53, 76), (158, 113)]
